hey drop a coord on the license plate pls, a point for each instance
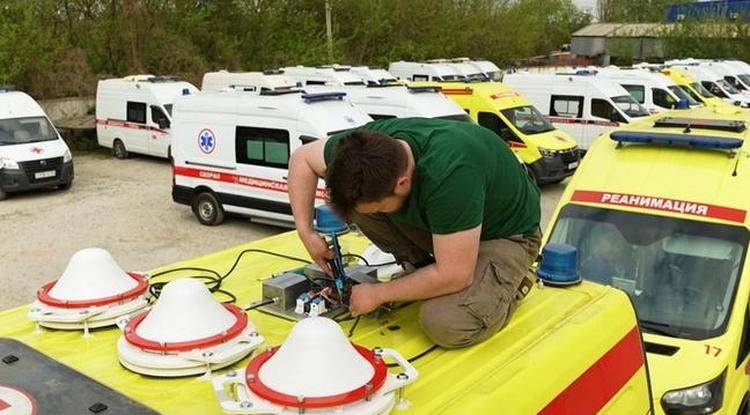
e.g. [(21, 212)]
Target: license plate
[(44, 174), (572, 165)]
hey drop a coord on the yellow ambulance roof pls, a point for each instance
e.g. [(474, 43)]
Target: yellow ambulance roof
[(689, 182), (500, 94)]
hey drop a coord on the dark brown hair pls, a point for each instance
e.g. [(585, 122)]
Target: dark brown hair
[(364, 168)]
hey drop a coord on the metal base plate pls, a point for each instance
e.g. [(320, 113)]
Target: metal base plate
[(58, 389)]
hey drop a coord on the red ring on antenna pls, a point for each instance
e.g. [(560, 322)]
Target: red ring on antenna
[(133, 338), (43, 295), (256, 385)]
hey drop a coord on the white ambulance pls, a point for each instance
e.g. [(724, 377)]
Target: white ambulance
[(374, 75), (133, 114), (32, 153), (715, 83), (266, 80), (331, 74), (489, 69), (382, 100), (653, 90), (232, 148), (424, 71), (581, 104)]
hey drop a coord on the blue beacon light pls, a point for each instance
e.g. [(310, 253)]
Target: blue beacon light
[(559, 266)]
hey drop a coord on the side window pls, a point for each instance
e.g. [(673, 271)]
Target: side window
[(262, 146), (497, 125), (638, 92), (603, 109), (735, 83), (158, 117), (569, 106), (420, 78), (663, 99), (136, 112), (381, 116)]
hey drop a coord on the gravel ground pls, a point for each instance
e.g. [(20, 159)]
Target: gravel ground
[(124, 206)]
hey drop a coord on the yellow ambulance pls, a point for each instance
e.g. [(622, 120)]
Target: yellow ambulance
[(659, 210), (567, 351), (694, 88), (550, 154)]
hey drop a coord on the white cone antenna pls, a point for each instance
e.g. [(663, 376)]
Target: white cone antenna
[(186, 311), (92, 273), (93, 291), (187, 332), (315, 346), (316, 369)]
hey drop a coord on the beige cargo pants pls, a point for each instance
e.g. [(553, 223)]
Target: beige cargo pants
[(502, 277)]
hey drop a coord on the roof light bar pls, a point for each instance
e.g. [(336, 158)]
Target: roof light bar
[(679, 140), (734, 126), (323, 96)]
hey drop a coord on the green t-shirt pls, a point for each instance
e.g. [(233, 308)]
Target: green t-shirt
[(465, 176)]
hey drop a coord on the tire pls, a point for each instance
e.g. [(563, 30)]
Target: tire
[(119, 150), (208, 209), (3, 195), (65, 186)]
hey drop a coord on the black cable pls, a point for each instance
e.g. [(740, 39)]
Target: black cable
[(214, 280), (418, 356), (354, 326), (257, 304), (363, 259), (359, 257)]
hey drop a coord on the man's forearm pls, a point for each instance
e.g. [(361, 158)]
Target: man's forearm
[(302, 184), (427, 282)]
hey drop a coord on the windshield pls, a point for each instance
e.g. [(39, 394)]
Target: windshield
[(528, 120), (629, 106), (455, 117), (702, 90), (681, 94), (681, 274), (168, 107), (727, 86), (477, 77), (745, 79), (26, 130)]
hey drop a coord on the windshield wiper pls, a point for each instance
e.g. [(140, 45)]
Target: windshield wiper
[(660, 328)]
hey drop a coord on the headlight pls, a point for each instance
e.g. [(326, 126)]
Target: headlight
[(547, 152), (705, 398), (6, 163), (67, 156)]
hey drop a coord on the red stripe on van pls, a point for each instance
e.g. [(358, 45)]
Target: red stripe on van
[(238, 179), (602, 381), (661, 204), (127, 124)]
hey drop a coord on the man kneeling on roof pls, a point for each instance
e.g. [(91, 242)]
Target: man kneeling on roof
[(446, 198)]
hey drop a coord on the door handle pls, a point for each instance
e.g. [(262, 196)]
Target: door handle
[(285, 177)]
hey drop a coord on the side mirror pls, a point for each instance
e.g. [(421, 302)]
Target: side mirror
[(506, 134), (163, 123)]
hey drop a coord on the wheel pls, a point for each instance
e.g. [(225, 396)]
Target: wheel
[(65, 186), (208, 209), (119, 150), (3, 195)]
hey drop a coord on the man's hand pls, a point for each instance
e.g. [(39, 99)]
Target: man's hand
[(364, 298), (319, 250)]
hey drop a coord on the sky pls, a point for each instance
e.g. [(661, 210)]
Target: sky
[(588, 5)]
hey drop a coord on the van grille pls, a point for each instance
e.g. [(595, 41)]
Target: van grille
[(569, 156), (35, 166)]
